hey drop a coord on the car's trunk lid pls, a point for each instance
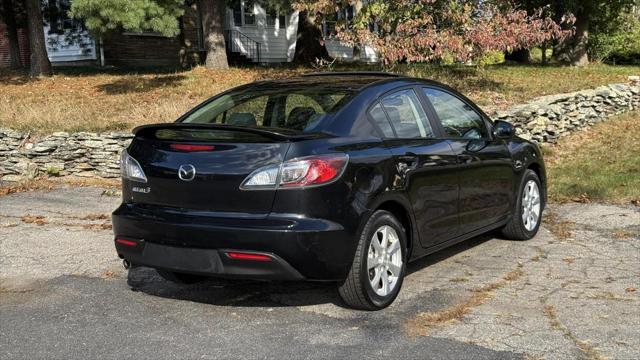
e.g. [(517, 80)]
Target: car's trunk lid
[(222, 157)]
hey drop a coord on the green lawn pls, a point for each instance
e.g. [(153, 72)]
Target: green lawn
[(598, 164), (90, 99)]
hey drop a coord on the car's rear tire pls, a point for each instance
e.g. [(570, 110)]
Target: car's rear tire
[(180, 278), (378, 268), (527, 215)]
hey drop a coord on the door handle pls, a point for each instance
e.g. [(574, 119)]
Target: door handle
[(465, 158), (408, 160)]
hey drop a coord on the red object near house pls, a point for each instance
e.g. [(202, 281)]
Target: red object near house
[(23, 44)]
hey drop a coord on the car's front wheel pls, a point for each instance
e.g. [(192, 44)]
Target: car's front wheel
[(528, 212), (378, 267)]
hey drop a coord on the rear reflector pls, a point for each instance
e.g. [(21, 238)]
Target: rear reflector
[(248, 256), (188, 147), (126, 242)]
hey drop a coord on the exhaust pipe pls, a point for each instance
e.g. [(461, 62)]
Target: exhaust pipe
[(126, 264)]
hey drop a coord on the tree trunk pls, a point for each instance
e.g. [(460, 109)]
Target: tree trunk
[(357, 48), (40, 64), (573, 50), (521, 56), (310, 45), (213, 12), (12, 34)]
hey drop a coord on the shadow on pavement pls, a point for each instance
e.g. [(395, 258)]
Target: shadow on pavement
[(249, 293)]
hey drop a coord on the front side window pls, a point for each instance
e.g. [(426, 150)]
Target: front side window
[(407, 115), (458, 118)]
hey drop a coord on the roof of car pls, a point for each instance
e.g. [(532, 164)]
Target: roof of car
[(356, 80), (352, 73)]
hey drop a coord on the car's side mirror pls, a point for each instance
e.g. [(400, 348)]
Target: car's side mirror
[(503, 129)]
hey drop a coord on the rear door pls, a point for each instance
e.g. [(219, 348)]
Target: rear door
[(484, 163), (425, 164)]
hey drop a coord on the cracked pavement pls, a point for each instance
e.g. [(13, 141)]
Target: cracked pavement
[(63, 293)]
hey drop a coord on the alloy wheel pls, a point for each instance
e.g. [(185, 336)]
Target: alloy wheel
[(384, 260), (530, 205)]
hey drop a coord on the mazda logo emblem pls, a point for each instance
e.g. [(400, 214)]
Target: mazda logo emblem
[(187, 172)]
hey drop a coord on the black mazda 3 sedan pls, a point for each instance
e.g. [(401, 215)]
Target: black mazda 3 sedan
[(341, 177)]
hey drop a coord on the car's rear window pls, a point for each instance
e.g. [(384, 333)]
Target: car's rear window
[(296, 108)]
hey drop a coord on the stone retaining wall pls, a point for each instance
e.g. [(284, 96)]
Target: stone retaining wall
[(547, 118), (544, 119), (61, 153)]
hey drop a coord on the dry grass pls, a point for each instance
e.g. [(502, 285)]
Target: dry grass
[(423, 322), (34, 219), (601, 163), (46, 184), (94, 217), (625, 234), (561, 229), (84, 99), (589, 351)]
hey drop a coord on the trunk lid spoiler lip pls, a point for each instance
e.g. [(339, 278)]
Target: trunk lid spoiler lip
[(277, 134)]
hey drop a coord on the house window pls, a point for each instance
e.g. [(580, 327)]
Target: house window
[(272, 15), (249, 16), (329, 26), (237, 13), (56, 18), (330, 22)]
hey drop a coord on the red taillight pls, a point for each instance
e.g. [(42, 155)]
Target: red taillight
[(188, 147), (312, 170), (298, 173), (248, 256), (126, 242)]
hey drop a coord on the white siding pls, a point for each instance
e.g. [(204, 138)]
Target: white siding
[(277, 45), (81, 48), (342, 51)]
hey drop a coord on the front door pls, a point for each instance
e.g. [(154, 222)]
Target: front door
[(425, 164), (485, 172)]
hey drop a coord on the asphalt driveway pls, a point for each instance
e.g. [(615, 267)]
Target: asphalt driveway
[(571, 292)]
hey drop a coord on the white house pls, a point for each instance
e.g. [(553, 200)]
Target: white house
[(252, 33), (249, 26)]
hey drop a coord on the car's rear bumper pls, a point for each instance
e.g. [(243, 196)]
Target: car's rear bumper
[(199, 242)]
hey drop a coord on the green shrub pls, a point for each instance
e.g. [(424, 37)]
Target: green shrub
[(621, 46), (491, 58), (53, 171)]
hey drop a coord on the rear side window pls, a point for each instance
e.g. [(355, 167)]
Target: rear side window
[(458, 118), (407, 115), (299, 108), (380, 119), (303, 110)]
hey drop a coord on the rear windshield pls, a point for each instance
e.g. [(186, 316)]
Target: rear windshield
[(297, 108)]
